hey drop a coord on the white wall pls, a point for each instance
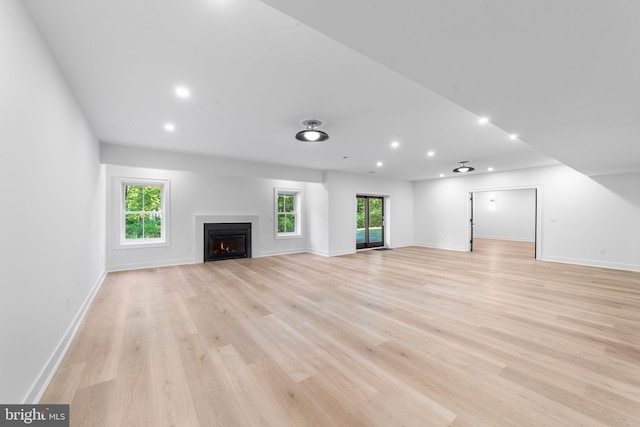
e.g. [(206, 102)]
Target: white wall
[(342, 191), (578, 217), (505, 215), (202, 185), (52, 213), (199, 193)]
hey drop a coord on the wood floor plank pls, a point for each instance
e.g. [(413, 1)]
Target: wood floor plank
[(412, 336)]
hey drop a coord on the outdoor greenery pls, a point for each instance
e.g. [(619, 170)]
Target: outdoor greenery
[(375, 212), (143, 209), (286, 213), (375, 219)]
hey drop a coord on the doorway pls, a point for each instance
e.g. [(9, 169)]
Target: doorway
[(503, 216), (369, 222)]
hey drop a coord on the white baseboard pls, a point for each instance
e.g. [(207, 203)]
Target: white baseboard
[(150, 264), (44, 378), (283, 252), (442, 246), (320, 253), (509, 238), (342, 252), (592, 263), (402, 245)]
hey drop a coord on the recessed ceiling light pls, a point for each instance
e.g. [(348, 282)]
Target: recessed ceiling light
[(431, 153), (395, 144), (513, 137), (490, 169), (379, 164), (182, 92), (483, 120), (169, 127), (441, 175)]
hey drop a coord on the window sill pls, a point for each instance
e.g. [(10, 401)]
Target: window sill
[(288, 236), (143, 244)]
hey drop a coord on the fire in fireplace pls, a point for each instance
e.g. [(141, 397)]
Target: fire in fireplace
[(227, 241)]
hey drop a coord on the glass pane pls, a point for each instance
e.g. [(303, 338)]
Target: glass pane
[(151, 199), (360, 221), (280, 203), (288, 203), (281, 223), (152, 226), (133, 228), (290, 224), (375, 220), (133, 198)]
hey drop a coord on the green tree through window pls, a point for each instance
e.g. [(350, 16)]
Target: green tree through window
[(142, 212), (287, 213)]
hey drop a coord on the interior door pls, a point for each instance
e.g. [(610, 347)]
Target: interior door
[(370, 222)]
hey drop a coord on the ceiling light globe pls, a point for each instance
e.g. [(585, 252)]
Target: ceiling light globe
[(312, 135)]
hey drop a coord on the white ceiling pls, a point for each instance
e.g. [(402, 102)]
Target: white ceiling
[(420, 72)]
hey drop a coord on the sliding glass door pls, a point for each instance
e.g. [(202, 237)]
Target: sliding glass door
[(370, 222)]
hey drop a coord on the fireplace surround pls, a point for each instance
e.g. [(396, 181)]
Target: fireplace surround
[(227, 241)]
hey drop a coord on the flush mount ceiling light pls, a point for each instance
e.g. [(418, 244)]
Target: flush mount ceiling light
[(311, 133), (463, 167)]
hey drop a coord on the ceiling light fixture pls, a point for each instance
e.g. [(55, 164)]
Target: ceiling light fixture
[(311, 133), (395, 144), (379, 164), (169, 127), (431, 153), (463, 167), (483, 120), (513, 137)]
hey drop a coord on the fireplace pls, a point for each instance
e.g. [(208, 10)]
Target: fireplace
[(227, 241)]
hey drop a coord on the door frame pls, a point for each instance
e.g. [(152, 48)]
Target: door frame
[(366, 245), (538, 214)]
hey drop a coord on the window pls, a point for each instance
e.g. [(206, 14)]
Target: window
[(288, 213), (143, 213)]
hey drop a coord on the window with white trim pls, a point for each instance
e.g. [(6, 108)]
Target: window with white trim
[(288, 212), (143, 212)]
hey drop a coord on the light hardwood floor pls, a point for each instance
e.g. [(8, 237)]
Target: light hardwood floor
[(411, 336)]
